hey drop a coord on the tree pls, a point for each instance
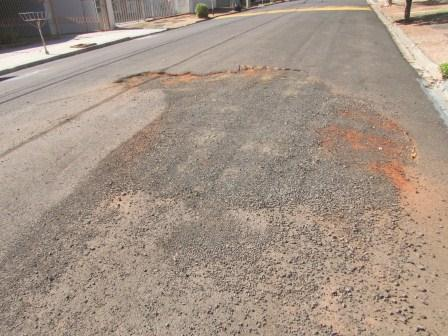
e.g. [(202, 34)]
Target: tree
[(407, 10)]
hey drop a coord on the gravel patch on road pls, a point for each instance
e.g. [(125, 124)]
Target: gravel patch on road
[(261, 202)]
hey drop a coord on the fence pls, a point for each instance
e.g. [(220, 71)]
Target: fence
[(215, 4), (65, 17), (76, 16), (10, 22), (80, 16), (136, 10)]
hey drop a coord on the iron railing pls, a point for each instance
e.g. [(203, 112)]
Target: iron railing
[(136, 10)]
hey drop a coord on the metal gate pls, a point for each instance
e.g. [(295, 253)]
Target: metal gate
[(76, 16), (160, 8), (136, 10)]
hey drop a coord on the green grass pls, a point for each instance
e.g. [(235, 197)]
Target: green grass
[(444, 70), (430, 12)]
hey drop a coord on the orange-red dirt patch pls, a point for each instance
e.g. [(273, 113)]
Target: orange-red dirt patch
[(381, 143), (358, 140), (372, 120), (394, 171)]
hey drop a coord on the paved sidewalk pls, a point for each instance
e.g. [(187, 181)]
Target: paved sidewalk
[(172, 22), (165, 23), (423, 42), (428, 27), (18, 58)]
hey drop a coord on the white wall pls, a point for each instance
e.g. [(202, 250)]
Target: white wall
[(182, 6), (75, 16)]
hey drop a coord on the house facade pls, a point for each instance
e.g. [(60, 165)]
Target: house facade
[(83, 16)]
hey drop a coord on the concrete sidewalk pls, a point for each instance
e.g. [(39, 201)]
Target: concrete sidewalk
[(423, 42), (426, 32), (19, 58), (172, 22), (428, 27)]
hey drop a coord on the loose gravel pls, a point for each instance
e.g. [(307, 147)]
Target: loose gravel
[(254, 205)]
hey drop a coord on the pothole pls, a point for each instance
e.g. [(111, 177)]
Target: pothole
[(187, 77)]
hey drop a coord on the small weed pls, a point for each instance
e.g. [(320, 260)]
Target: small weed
[(444, 70)]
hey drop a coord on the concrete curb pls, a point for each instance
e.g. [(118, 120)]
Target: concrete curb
[(75, 52), (431, 78)]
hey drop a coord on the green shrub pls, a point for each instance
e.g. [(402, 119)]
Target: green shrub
[(444, 69), (201, 10)]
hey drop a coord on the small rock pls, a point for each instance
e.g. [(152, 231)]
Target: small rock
[(419, 328)]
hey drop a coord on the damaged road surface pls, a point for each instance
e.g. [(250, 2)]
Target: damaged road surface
[(267, 199)]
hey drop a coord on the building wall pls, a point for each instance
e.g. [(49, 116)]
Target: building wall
[(75, 16)]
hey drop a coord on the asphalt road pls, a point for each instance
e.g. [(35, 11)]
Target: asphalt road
[(275, 172)]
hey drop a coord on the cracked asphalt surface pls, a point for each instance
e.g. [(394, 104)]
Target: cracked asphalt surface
[(165, 189)]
